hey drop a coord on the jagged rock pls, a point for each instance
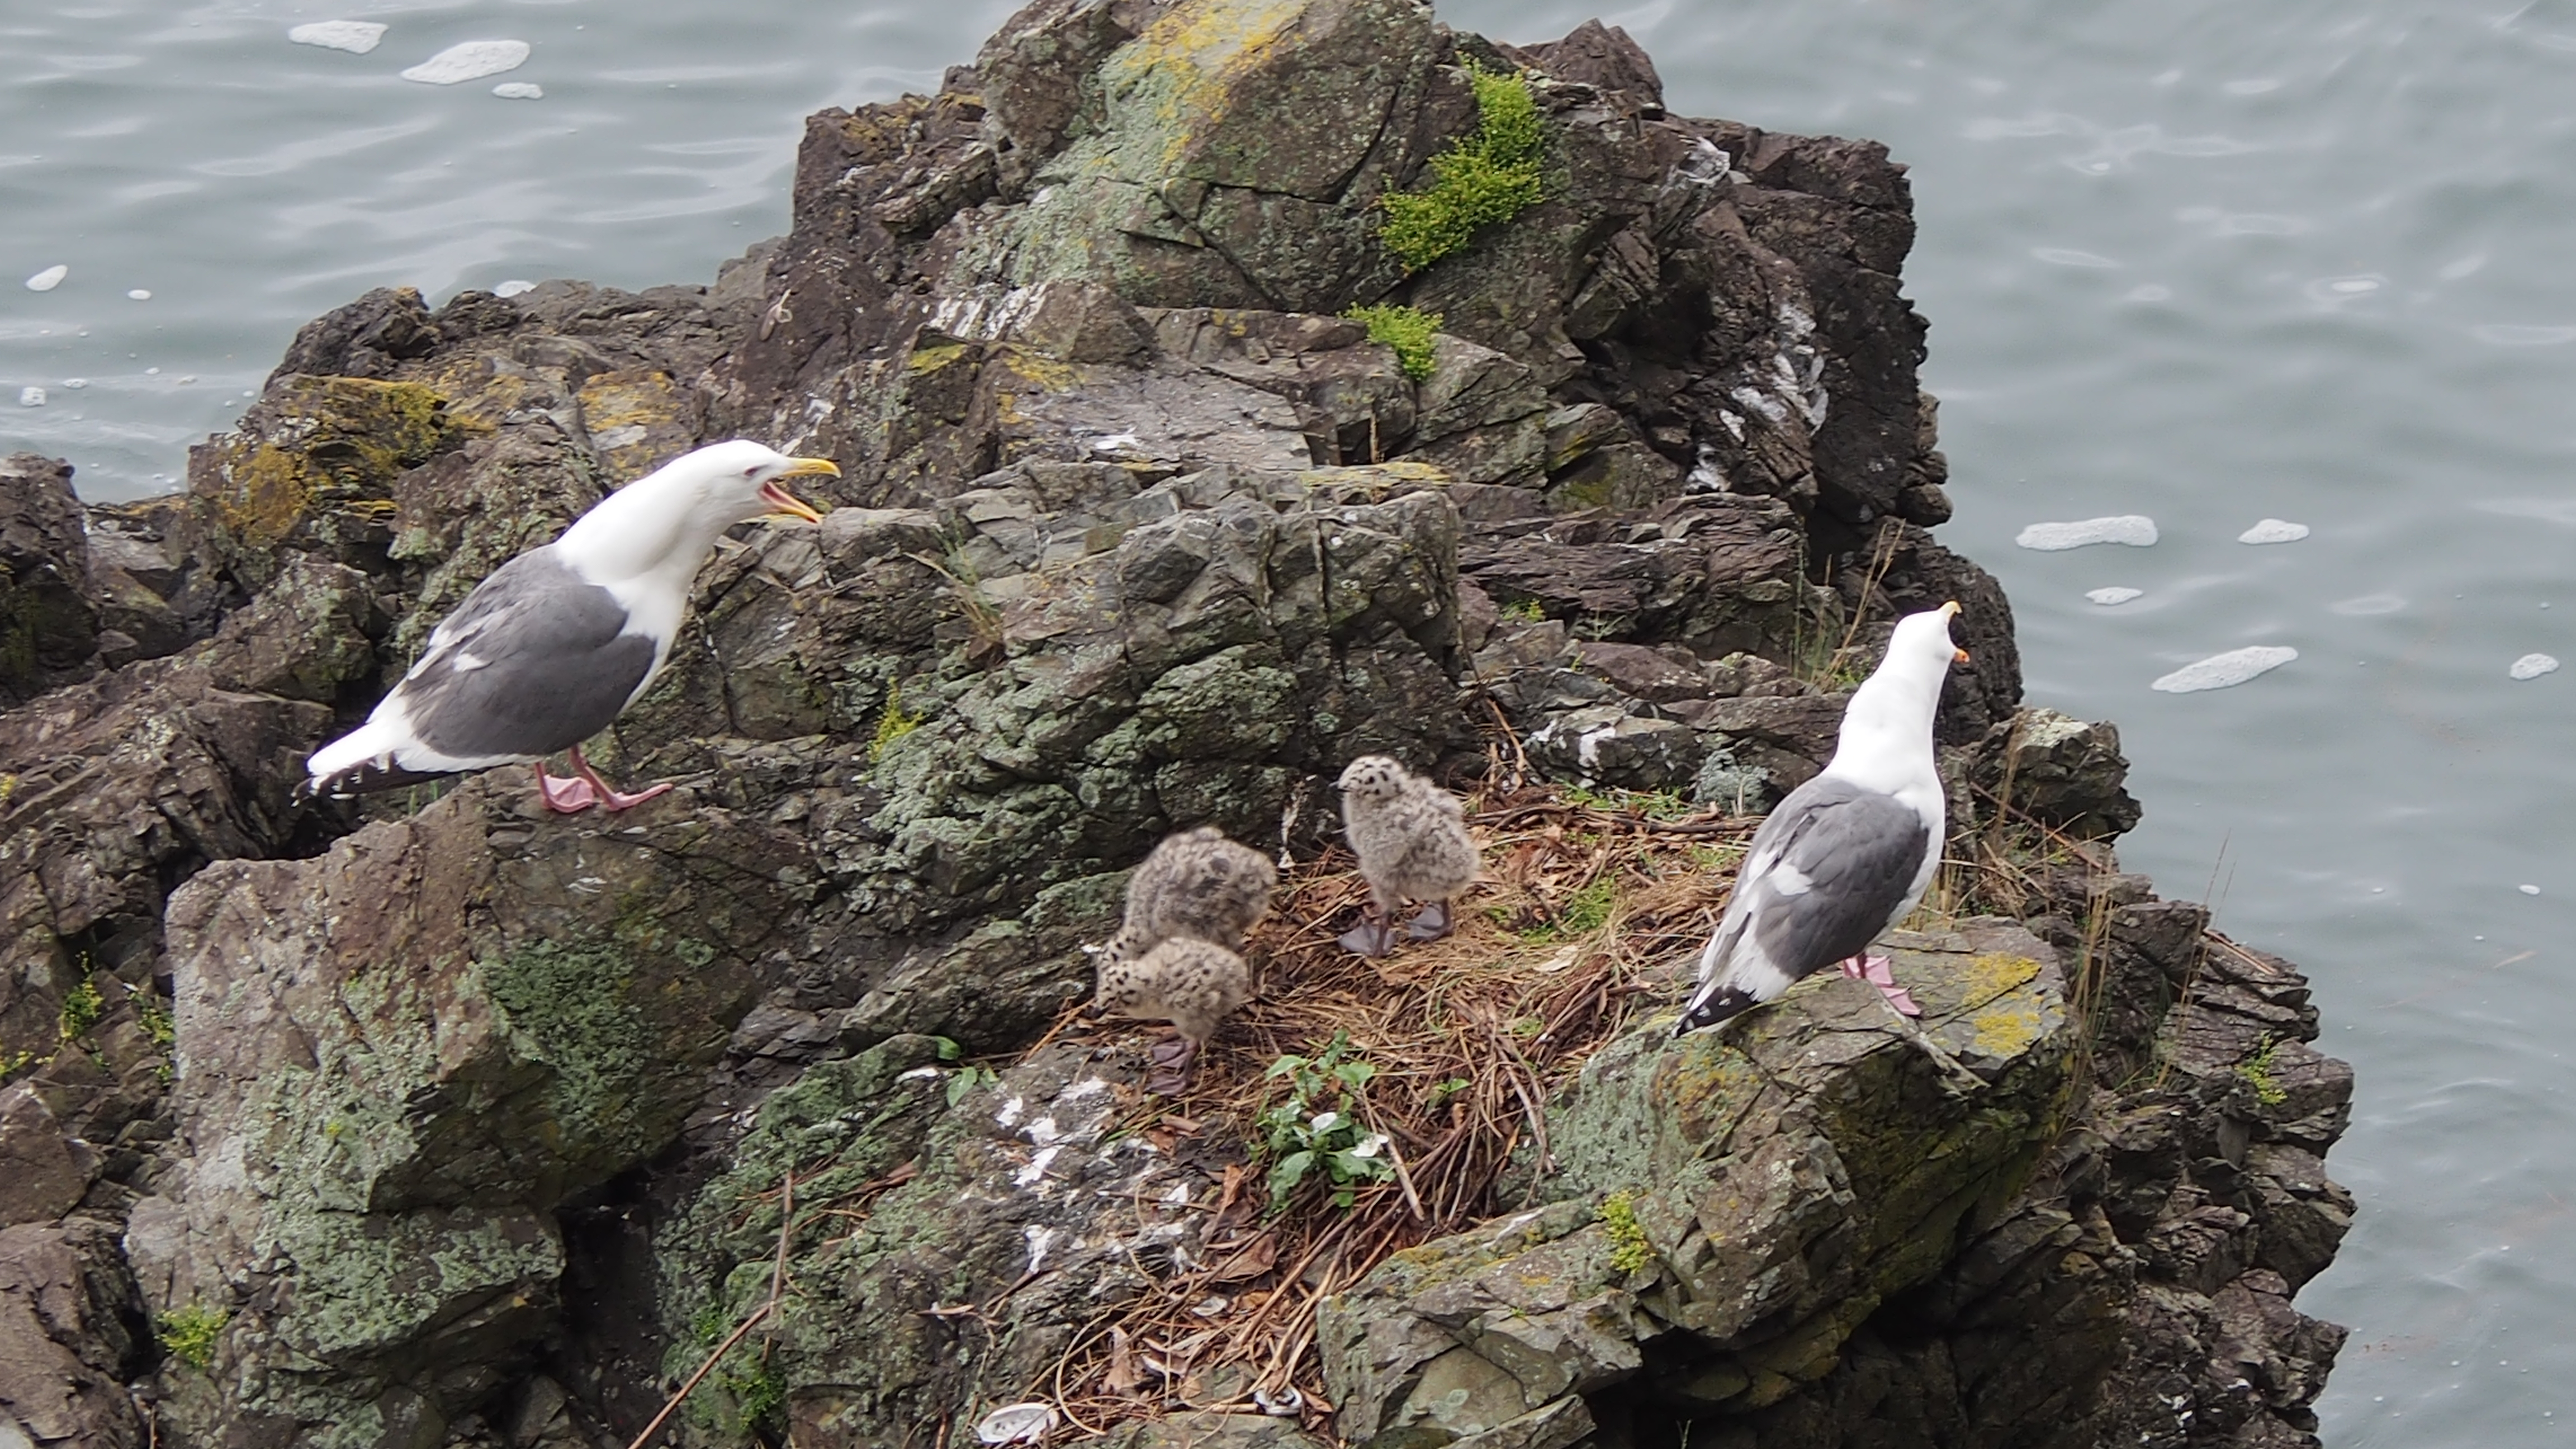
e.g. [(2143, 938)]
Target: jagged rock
[(49, 618), (1606, 745), (2061, 772), (414, 1047), (43, 1171), (1776, 1182), (1718, 575), (71, 1334)]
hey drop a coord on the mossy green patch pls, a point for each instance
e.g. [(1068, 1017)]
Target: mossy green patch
[(82, 1007), (188, 1334), (573, 1003), (893, 723), (344, 439), (1407, 330), (1629, 1250), (1490, 177), (2257, 1072)]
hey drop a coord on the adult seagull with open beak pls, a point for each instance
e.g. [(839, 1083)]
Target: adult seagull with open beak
[(560, 640), (1850, 852)]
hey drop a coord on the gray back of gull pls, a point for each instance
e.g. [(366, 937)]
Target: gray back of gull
[(557, 665), (1859, 849)]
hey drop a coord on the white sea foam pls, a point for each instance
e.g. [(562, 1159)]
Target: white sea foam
[(2070, 257), (2220, 671), (48, 279), (140, 294), (472, 60), (31, 397), (519, 91), (2529, 890), (2114, 595), (2274, 530), (2532, 666), (514, 287), (2135, 530), (354, 36)]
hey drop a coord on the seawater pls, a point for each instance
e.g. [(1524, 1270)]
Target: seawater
[(2211, 264)]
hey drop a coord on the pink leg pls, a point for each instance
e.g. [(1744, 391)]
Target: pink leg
[(610, 797), (564, 797), (1880, 972)]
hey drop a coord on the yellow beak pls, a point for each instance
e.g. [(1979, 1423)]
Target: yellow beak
[(783, 504)]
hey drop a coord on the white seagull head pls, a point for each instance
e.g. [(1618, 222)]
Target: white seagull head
[(740, 480), (663, 524), (1887, 728)]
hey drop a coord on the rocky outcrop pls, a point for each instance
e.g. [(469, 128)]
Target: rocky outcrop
[(433, 1121)]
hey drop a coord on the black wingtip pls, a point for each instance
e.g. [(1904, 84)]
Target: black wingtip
[(364, 779), (1718, 1007)]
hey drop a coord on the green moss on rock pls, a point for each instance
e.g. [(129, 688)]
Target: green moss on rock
[(1488, 178)]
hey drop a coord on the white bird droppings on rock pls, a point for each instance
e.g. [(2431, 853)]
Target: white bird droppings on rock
[(48, 279), (520, 91), (2114, 595), (2532, 666), (31, 397), (2274, 530), (2135, 530), (514, 287), (472, 60), (354, 36), (2220, 671), (1016, 1424)]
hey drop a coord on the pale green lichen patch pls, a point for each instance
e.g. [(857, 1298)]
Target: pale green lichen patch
[(572, 1003)]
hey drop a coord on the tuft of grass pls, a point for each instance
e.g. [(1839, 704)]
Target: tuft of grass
[(1629, 1250), (2257, 1072), (893, 723), (188, 1334), (1652, 804), (1490, 177), (82, 1007), (1408, 330), (1583, 913), (1527, 611)]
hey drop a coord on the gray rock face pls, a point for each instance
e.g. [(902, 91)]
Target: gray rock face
[(71, 1335), (48, 618)]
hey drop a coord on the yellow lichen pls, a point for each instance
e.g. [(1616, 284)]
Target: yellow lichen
[(933, 357)]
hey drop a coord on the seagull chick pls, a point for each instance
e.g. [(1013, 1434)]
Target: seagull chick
[(1199, 884), (1192, 984), (1850, 852), (1411, 839), (560, 640)]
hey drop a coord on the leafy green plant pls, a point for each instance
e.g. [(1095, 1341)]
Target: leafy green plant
[(2257, 1072), (1490, 177), (1629, 1250), (1583, 913), (12, 1063), (1526, 611), (893, 723), (188, 1334), (967, 1079), (1408, 330), (82, 1007), (1315, 1129)]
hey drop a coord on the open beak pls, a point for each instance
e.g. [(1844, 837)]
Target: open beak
[(785, 504), (1951, 610)]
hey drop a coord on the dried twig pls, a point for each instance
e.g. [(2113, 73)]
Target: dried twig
[(777, 1295)]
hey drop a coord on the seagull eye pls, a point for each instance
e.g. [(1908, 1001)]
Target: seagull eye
[(751, 472)]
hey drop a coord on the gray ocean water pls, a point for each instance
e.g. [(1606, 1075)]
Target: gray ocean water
[(2211, 263)]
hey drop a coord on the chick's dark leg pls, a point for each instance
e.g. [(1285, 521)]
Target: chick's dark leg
[(1173, 1057), (1431, 922), (1373, 936)]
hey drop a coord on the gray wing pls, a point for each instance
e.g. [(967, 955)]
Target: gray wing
[(1824, 875), (534, 661)]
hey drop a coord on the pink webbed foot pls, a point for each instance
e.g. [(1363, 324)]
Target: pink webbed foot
[(610, 797), (564, 797), (1880, 972)]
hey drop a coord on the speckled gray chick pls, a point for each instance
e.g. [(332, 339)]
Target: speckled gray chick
[(1190, 983), (1197, 884), (1411, 839)]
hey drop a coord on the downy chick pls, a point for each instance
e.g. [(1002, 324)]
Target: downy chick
[(1411, 839), (1191, 983)]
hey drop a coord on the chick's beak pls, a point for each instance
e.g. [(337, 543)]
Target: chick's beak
[(785, 504)]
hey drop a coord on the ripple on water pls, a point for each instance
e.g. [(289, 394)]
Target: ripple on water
[(2114, 595), (471, 60), (2222, 671), (2532, 666), (2274, 530), (2070, 257), (354, 36), (2134, 529), (2508, 334), (2364, 605)]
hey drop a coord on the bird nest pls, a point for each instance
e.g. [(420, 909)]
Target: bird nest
[(1589, 907)]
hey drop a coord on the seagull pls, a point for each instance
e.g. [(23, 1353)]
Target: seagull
[(560, 640), (1848, 854)]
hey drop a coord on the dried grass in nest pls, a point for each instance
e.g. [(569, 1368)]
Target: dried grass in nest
[(1581, 904)]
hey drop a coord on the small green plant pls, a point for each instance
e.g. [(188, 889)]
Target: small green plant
[(1629, 1250), (758, 1392), (1408, 330), (1583, 913), (12, 1063), (1442, 1093), (1314, 1129), (188, 1334), (82, 1007), (1653, 804), (2257, 1072), (893, 723), (1526, 611), (969, 1078), (1490, 177)]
